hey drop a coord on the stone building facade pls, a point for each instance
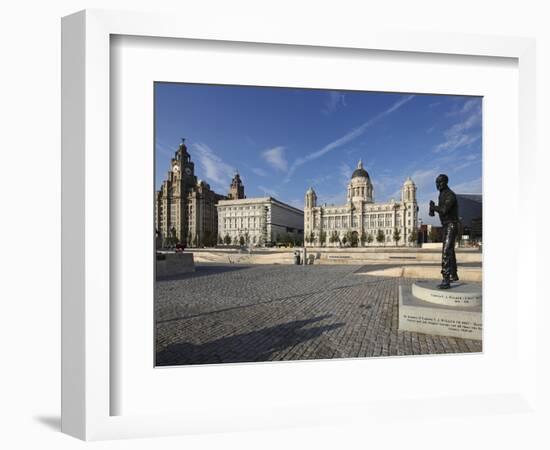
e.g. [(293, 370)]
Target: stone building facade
[(185, 207), (259, 221), (361, 216)]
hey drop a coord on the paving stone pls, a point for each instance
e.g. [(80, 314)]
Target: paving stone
[(238, 313)]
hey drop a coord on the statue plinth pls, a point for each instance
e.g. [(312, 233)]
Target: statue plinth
[(460, 294), (455, 312)]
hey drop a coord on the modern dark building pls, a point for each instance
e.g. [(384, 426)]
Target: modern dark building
[(470, 209)]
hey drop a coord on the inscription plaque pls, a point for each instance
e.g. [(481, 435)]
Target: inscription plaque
[(420, 316), (462, 294)]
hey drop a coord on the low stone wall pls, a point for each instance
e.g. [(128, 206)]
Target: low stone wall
[(172, 264), (473, 274), (244, 258), (360, 256), (366, 257)]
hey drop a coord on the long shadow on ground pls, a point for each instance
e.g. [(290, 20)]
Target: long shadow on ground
[(204, 271), (266, 302), (256, 345)]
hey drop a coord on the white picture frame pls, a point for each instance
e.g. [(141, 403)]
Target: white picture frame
[(87, 326)]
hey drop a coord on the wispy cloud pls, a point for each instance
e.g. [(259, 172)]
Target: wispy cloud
[(465, 132), (425, 177), (216, 171), (275, 157), (463, 165), (320, 180), (164, 149), (468, 187), (455, 141), (467, 106), (333, 101), (338, 198), (268, 192), (385, 186), (345, 173), (258, 171), (351, 135)]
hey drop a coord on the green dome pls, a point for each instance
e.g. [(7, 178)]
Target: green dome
[(360, 172)]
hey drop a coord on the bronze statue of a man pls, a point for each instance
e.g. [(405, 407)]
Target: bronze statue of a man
[(447, 208)]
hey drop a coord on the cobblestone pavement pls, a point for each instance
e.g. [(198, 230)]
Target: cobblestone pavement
[(237, 313)]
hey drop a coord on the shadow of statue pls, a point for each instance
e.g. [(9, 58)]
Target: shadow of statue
[(253, 346)]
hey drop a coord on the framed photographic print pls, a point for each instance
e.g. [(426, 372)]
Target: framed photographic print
[(258, 226), (273, 246)]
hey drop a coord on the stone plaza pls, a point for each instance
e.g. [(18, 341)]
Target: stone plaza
[(228, 313)]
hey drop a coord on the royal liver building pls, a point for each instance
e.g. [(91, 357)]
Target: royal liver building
[(185, 207), (361, 221)]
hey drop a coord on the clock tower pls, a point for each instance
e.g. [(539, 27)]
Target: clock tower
[(182, 166), (236, 190), (185, 208)]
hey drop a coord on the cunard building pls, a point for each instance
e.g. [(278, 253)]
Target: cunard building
[(185, 207), (259, 221), (361, 220)]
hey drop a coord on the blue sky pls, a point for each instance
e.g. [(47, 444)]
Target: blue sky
[(284, 140)]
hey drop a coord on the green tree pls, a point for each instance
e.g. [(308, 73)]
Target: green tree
[(396, 235), (363, 238), (344, 240), (196, 240), (348, 236), (413, 236), (370, 238), (236, 240), (241, 240), (282, 239), (334, 237), (352, 238), (380, 236), (227, 239), (311, 237), (323, 238)]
